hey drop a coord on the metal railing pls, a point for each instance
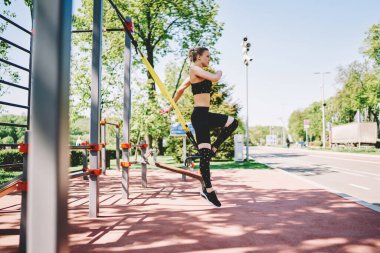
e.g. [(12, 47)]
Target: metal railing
[(14, 183), (7, 62)]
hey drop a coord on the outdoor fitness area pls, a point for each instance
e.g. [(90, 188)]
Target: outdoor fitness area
[(149, 203), (263, 210)]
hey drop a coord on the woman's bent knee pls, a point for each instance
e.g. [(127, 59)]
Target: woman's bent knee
[(204, 145), (229, 121)]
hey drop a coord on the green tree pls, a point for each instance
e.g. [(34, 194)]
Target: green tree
[(372, 43), (162, 27), (314, 114), (15, 133), (258, 134), (296, 126), (360, 92)]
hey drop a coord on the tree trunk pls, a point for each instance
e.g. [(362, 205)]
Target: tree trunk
[(152, 89), (150, 58), (160, 146)]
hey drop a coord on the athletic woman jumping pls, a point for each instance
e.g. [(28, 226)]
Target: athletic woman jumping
[(203, 120)]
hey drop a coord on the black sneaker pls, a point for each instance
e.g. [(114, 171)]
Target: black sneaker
[(211, 197), (203, 193)]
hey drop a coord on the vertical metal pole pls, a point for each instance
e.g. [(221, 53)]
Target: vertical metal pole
[(247, 126), (95, 104), (184, 156), (85, 166), (24, 195), (30, 81), (127, 111), (144, 180), (154, 155), (118, 148), (103, 152), (49, 153), (323, 112)]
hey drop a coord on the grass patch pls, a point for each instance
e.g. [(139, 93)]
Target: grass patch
[(217, 164), (362, 150), (235, 165)]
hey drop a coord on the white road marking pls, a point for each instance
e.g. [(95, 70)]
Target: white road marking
[(360, 187), (345, 159), (350, 173), (362, 172), (326, 154), (343, 195), (331, 166)]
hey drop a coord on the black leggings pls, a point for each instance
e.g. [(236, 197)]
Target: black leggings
[(203, 121)]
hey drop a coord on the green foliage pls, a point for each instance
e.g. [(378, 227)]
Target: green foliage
[(158, 23), (76, 158), (359, 92), (6, 176), (13, 156), (314, 115), (296, 128), (7, 140), (222, 165), (10, 156), (257, 134), (10, 134), (372, 43)]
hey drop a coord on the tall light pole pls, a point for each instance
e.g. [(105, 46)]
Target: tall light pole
[(246, 59), (283, 132), (323, 107)]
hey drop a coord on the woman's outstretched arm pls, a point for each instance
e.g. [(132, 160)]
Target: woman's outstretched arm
[(185, 84)]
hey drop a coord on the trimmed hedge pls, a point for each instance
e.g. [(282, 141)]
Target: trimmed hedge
[(76, 158), (12, 156)]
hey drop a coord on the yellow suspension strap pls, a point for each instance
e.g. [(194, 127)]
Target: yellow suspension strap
[(157, 80)]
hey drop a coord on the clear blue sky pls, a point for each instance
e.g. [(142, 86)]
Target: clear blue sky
[(291, 40)]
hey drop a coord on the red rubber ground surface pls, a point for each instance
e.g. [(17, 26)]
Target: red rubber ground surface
[(263, 211)]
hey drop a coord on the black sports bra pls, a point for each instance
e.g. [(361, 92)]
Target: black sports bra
[(201, 87)]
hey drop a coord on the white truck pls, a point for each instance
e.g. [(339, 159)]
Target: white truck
[(354, 134)]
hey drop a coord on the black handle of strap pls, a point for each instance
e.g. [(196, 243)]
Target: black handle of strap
[(124, 22)]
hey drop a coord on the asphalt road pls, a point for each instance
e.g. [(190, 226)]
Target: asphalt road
[(356, 175)]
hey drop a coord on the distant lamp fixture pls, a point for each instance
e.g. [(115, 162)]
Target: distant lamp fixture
[(245, 49), (246, 59)]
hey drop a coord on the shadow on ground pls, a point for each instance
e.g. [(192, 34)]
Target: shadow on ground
[(263, 211)]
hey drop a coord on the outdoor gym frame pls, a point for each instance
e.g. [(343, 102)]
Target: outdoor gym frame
[(46, 207), (45, 185)]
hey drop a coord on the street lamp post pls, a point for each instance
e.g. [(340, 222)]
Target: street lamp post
[(246, 59), (283, 132), (323, 107)]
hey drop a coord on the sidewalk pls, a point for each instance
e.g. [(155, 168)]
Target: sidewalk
[(263, 211)]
